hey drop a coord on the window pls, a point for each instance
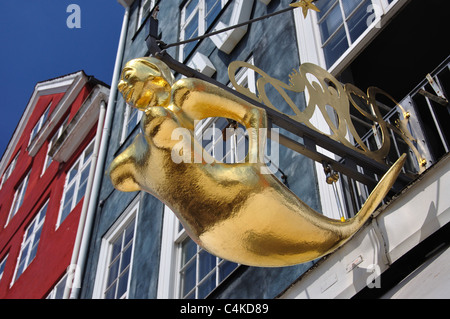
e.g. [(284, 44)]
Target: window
[(58, 291), (186, 270), (332, 37), (246, 77), (196, 18), (200, 272), (119, 263), (48, 158), (2, 267), (144, 8), (40, 123), (76, 182), (341, 22), (30, 242), (131, 119), (18, 197), (223, 139), (9, 170), (116, 256)]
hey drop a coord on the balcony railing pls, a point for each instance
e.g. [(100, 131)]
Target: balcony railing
[(428, 113)]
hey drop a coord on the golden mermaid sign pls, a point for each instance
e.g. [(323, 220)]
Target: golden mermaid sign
[(235, 211)]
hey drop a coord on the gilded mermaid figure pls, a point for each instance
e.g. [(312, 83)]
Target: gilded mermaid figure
[(234, 211)]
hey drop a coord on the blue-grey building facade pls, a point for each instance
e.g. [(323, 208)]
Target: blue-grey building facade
[(136, 248), (268, 42)]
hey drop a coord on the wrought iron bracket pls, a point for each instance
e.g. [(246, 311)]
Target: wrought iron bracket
[(350, 159)]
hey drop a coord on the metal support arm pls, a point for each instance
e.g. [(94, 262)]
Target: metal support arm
[(348, 156)]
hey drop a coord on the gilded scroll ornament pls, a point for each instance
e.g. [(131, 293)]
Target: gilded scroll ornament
[(234, 211), (324, 90)]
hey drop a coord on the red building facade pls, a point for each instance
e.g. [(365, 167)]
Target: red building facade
[(44, 174)]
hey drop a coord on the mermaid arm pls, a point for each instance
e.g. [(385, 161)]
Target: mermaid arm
[(194, 100)]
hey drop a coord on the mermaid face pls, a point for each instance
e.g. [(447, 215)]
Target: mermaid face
[(143, 84)]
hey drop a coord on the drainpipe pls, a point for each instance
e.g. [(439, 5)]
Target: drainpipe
[(71, 271), (78, 263)]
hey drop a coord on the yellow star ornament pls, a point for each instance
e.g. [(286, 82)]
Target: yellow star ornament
[(305, 5)]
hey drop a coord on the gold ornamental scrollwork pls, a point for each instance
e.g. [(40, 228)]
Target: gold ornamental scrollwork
[(323, 90)]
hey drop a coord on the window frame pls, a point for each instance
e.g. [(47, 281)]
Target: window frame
[(29, 238), (9, 170), (128, 127), (308, 31), (58, 290), (145, 7), (169, 281), (343, 24), (75, 181), (130, 215), (202, 27), (19, 196), (49, 159), (246, 76), (2, 266), (40, 123), (232, 151), (200, 278)]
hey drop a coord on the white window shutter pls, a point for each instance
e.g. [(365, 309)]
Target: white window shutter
[(202, 64), (227, 41)]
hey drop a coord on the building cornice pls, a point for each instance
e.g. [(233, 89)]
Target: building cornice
[(72, 89), (80, 126)]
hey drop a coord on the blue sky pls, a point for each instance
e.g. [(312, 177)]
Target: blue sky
[(36, 45)]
